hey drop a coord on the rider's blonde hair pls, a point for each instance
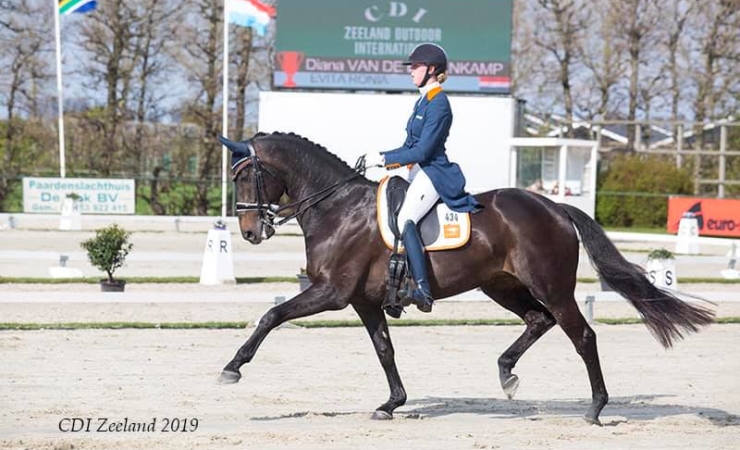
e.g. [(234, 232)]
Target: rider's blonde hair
[(442, 77)]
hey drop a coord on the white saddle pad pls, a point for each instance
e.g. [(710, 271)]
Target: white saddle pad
[(454, 227)]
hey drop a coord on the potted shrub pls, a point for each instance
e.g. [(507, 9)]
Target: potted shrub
[(303, 281), (661, 268), (660, 253), (107, 252)]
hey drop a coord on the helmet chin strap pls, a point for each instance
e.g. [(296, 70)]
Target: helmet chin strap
[(426, 78)]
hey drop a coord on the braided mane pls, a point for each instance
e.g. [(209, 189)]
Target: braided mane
[(316, 147)]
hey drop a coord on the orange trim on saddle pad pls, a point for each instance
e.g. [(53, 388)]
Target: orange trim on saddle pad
[(380, 200), (454, 227)]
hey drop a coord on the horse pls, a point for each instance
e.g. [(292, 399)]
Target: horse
[(523, 254)]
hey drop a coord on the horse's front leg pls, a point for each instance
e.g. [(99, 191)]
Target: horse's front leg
[(318, 298), (376, 325)]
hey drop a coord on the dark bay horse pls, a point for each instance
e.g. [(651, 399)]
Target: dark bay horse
[(523, 254)]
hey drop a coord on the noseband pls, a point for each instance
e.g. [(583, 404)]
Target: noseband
[(269, 211)]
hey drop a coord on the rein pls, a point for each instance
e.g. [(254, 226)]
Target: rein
[(269, 211)]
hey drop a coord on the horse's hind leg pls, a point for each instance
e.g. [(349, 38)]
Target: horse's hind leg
[(583, 337), (316, 299), (514, 296), (377, 326)]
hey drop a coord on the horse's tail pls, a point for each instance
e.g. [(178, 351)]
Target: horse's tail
[(666, 316)]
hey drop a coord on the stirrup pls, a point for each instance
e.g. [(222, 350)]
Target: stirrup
[(394, 311)]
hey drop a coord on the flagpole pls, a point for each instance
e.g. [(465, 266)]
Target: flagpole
[(60, 94), (225, 119)]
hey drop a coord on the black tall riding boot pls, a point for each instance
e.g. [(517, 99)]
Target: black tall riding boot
[(421, 296)]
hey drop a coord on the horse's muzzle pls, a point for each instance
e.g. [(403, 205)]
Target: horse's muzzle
[(252, 237), (256, 238)]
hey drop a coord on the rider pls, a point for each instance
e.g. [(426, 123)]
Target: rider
[(432, 175)]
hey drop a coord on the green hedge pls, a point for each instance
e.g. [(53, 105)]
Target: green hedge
[(634, 190)]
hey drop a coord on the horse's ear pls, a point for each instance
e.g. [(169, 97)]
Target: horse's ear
[(231, 145), (239, 150)]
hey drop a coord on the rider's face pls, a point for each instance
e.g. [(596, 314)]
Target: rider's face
[(418, 71)]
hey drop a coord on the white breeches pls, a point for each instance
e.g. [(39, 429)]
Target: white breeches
[(420, 198)]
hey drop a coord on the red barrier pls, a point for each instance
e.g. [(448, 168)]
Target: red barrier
[(716, 217)]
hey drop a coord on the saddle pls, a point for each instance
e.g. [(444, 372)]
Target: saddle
[(440, 229)]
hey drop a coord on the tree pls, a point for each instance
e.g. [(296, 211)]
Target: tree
[(603, 57), (559, 31), (242, 55), (155, 33), (6, 6), (201, 60), (108, 36), (22, 42), (717, 48), (636, 22), (155, 37), (673, 35), (525, 55)]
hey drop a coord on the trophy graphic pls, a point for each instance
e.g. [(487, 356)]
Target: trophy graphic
[(290, 62)]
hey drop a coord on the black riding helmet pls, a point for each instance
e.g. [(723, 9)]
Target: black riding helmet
[(430, 55)]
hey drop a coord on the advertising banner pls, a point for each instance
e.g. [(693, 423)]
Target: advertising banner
[(95, 195), (336, 44), (715, 217)]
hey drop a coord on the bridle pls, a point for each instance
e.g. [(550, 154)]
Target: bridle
[(268, 212)]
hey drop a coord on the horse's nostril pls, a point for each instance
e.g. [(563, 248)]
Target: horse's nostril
[(248, 235)]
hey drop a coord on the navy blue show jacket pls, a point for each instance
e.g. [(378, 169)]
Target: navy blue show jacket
[(426, 133)]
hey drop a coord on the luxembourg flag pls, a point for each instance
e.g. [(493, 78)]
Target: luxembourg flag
[(76, 6), (249, 13)]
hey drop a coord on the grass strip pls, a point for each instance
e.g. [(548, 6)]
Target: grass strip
[(706, 280), (644, 230), (123, 326), (684, 280), (4, 326), (139, 280)]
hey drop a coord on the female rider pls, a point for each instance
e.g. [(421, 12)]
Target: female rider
[(432, 176)]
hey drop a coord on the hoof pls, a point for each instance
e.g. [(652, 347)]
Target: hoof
[(229, 377), (510, 386), (382, 415), (592, 420)]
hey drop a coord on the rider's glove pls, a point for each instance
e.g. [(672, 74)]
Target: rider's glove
[(374, 159)]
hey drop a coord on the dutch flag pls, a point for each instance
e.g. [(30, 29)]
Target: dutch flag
[(249, 13)]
